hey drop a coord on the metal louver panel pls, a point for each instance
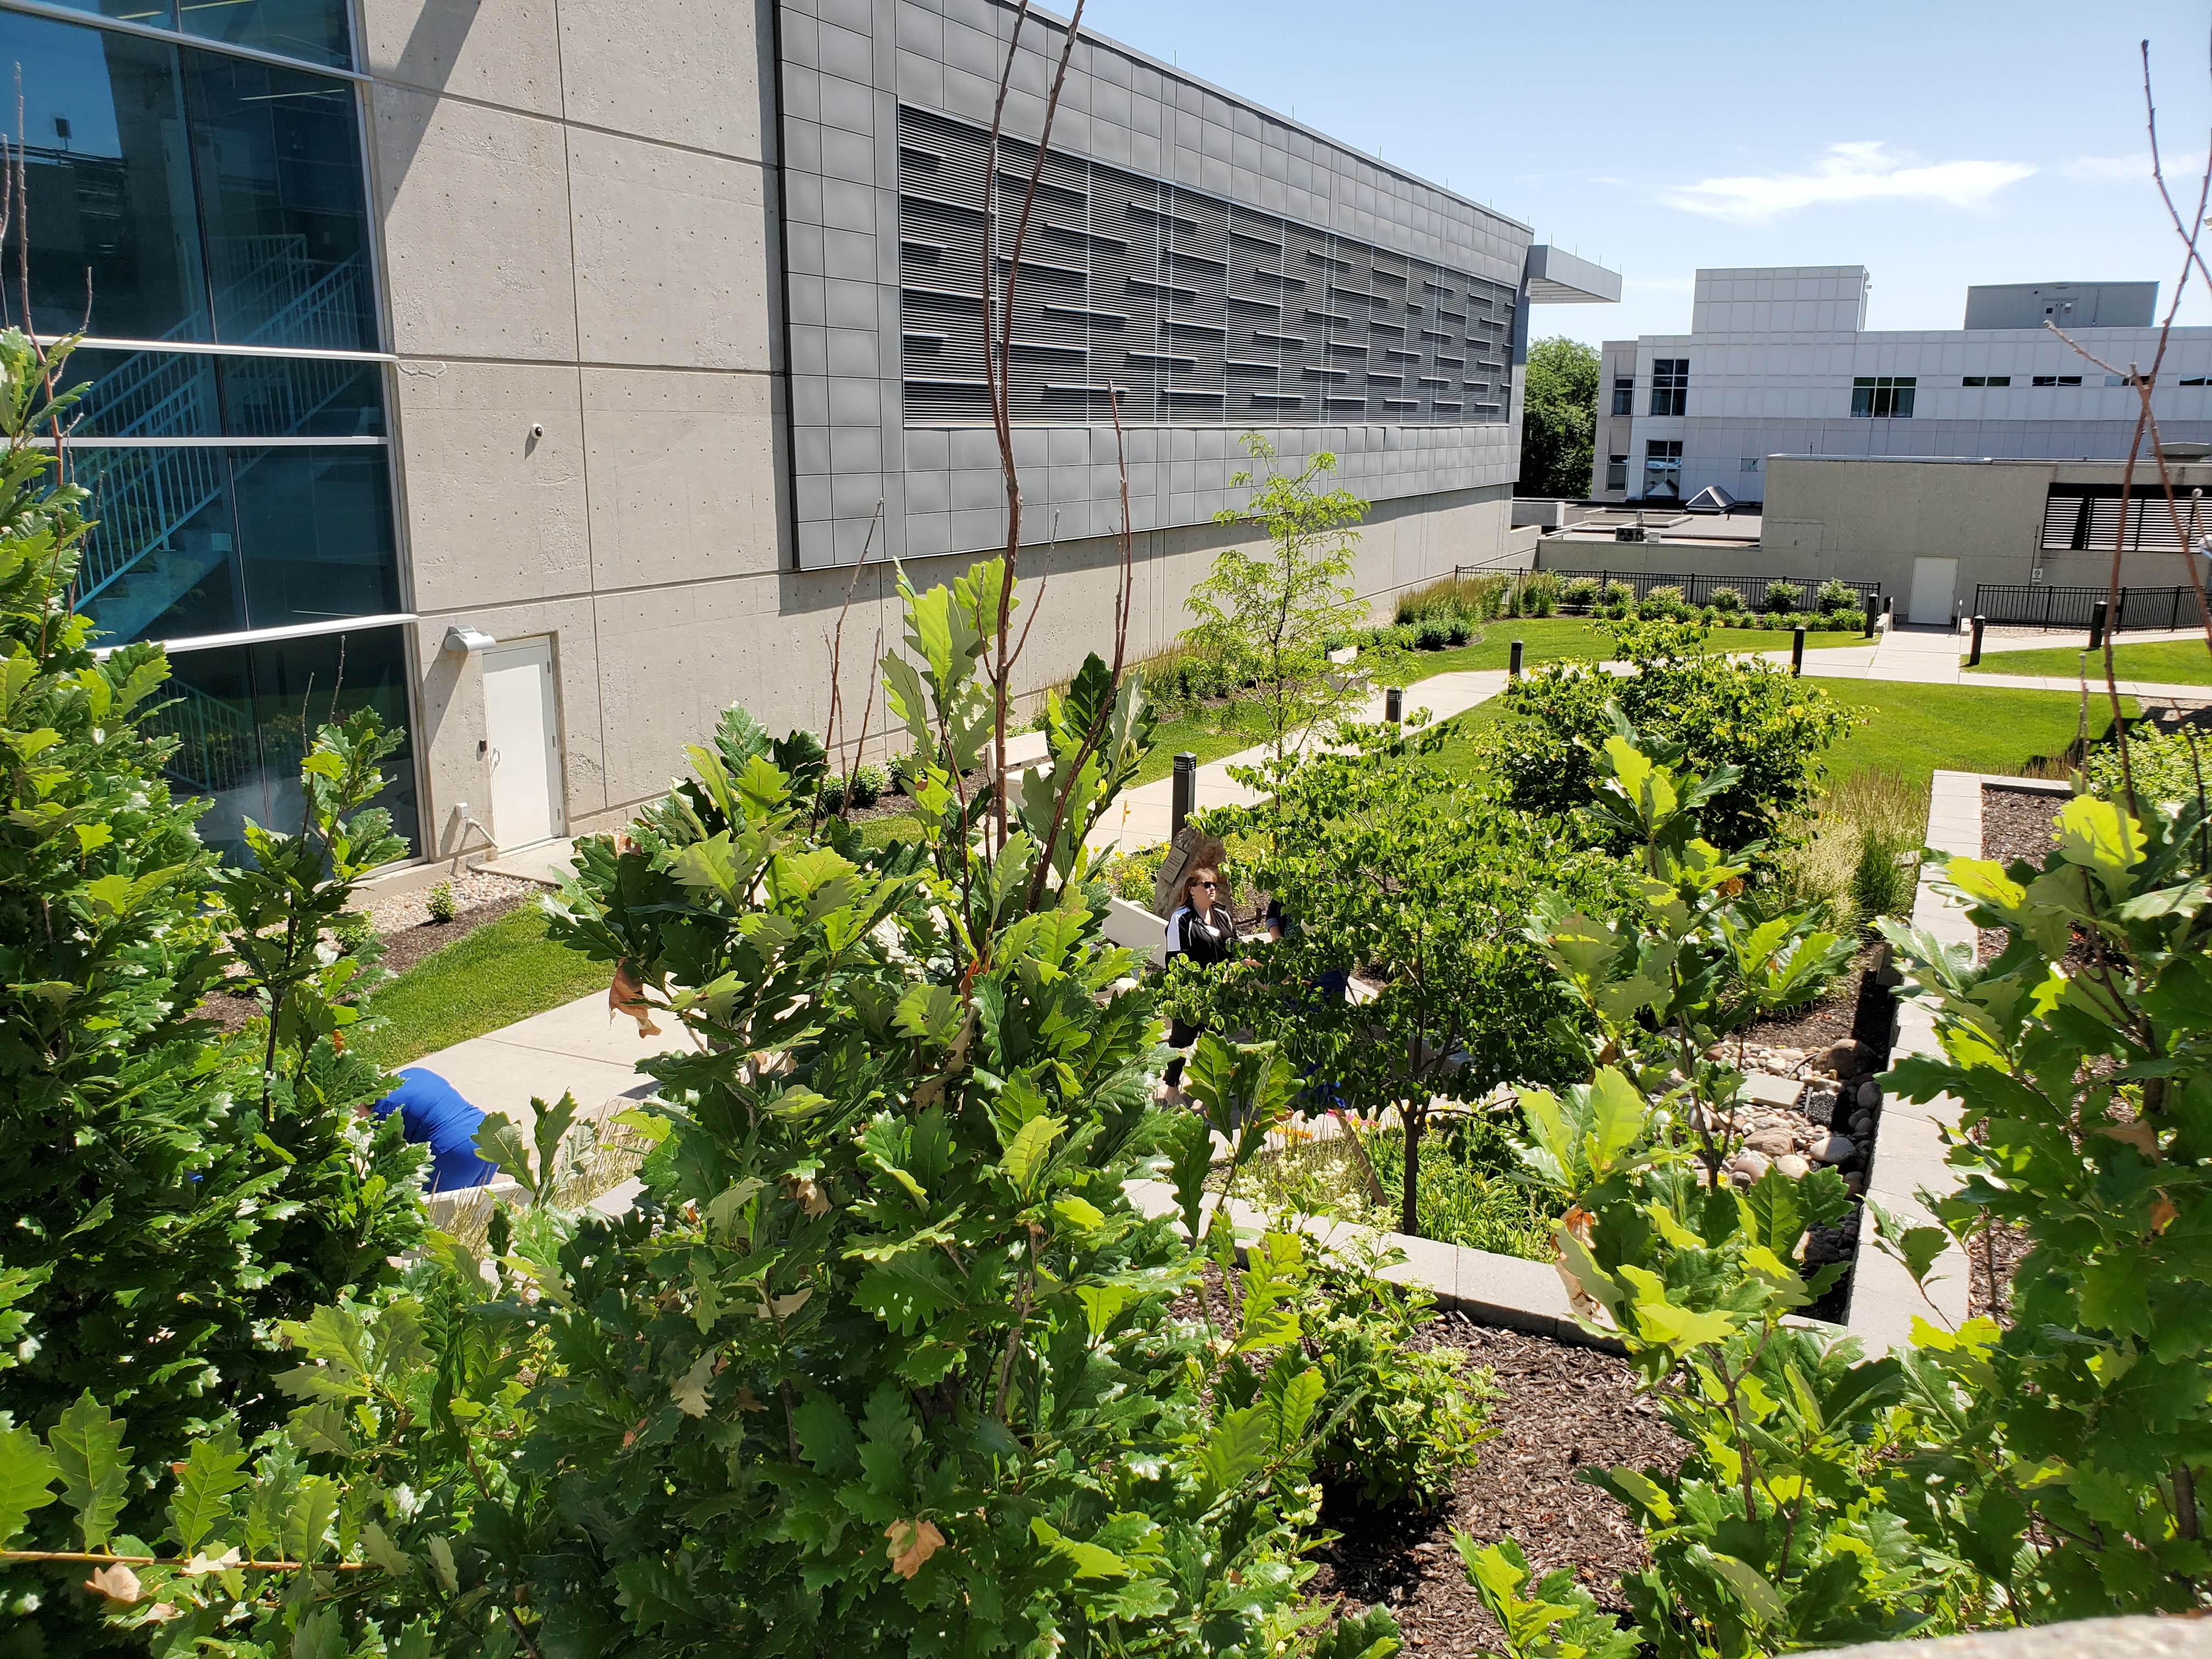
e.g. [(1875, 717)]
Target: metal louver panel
[(2062, 520), (1188, 309)]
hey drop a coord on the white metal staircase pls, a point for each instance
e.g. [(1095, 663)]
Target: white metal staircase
[(144, 554)]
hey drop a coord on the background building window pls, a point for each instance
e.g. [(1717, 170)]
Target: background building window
[(1624, 394), (1670, 385), (1882, 396), (1663, 468), (1616, 472), (1749, 464), (2055, 379), (1986, 379)]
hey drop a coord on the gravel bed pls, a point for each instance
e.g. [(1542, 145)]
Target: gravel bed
[(472, 889), (1558, 1408)]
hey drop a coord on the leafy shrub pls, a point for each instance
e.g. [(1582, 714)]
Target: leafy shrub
[(1535, 594), (1133, 875), (1726, 599), (1781, 598), (1551, 1617), (830, 796), (1758, 1537), (1835, 595), (1617, 593), (1415, 1416), (1746, 714), (1579, 594), (440, 903), (866, 785), (353, 931), (1666, 595), (2077, 1123), (1386, 861), (2166, 765), (1434, 633)]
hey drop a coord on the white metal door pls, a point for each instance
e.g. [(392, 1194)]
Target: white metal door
[(524, 735), (1933, 580)]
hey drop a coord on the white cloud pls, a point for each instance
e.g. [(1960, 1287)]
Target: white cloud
[(2109, 167), (2135, 168), (1848, 172)]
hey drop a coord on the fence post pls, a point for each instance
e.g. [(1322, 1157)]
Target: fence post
[(1871, 604), (1186, 792), (2101, 616), (2050, 598), (2120, 616), (1797, 650), (1394, 704), (1974, 656), (1513, 670)]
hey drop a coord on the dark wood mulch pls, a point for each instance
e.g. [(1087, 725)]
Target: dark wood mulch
[(2016, 824), (1855, 1007), (402, 950), (1558, 1408)]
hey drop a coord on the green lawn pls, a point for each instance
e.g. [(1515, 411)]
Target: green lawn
[(491, 976), (1913, 730), (2162, 662), (1916, 730)]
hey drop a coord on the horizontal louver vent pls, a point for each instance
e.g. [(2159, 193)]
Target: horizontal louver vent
[(1173, 301), (2087, 518)]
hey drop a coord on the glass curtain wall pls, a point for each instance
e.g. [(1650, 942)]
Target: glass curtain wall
[(181, 195)]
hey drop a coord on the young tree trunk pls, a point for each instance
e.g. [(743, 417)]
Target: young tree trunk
[(1409, 1212)]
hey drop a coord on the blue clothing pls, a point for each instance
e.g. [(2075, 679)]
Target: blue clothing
[(434, 1115)]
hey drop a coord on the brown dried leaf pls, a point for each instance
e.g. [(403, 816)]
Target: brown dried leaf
[(805, 1192), (627, 996), (912, 1544), (2163, 1210), (2143, 1137), (202, 1562), (117, 1584)]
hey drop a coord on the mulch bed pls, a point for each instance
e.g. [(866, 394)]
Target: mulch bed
[(1558, 1408), (2016, 824)]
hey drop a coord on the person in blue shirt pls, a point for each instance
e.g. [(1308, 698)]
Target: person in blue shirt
[(433, 1113)]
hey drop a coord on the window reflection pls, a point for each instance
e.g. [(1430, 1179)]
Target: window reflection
[(197, 541), (243, 715), (175, 394), (312, 29), (202, 197)]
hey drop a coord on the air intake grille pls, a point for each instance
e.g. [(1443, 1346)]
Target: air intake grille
[(1193, 311)]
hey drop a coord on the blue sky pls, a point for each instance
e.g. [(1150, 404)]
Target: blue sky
[(1939, 144)]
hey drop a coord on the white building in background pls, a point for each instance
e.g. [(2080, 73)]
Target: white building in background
[(1780, 362)]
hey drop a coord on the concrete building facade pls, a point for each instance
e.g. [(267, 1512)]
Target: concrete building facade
[(552, 376), (1780, 362)]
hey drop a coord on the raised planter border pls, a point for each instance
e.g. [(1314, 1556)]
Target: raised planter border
[(1912, 1139)]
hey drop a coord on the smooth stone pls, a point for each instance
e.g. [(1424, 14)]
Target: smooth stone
[(1869, 1094), (1793, 1166), (1849, 1058), (1860, 1124), (1835, 1149), (1748, 1165), (1771, 1142)]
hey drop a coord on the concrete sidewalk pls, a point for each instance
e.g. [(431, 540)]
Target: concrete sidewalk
[(1936, 656), (574, 1047)]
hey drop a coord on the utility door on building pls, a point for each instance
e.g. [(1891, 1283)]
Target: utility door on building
[(1933, 580), (523, 732)]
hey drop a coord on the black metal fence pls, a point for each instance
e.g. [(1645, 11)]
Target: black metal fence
[(1700, 590), (2040, 605)]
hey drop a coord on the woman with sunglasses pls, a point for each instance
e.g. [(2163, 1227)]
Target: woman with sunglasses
[(1202, 931)]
